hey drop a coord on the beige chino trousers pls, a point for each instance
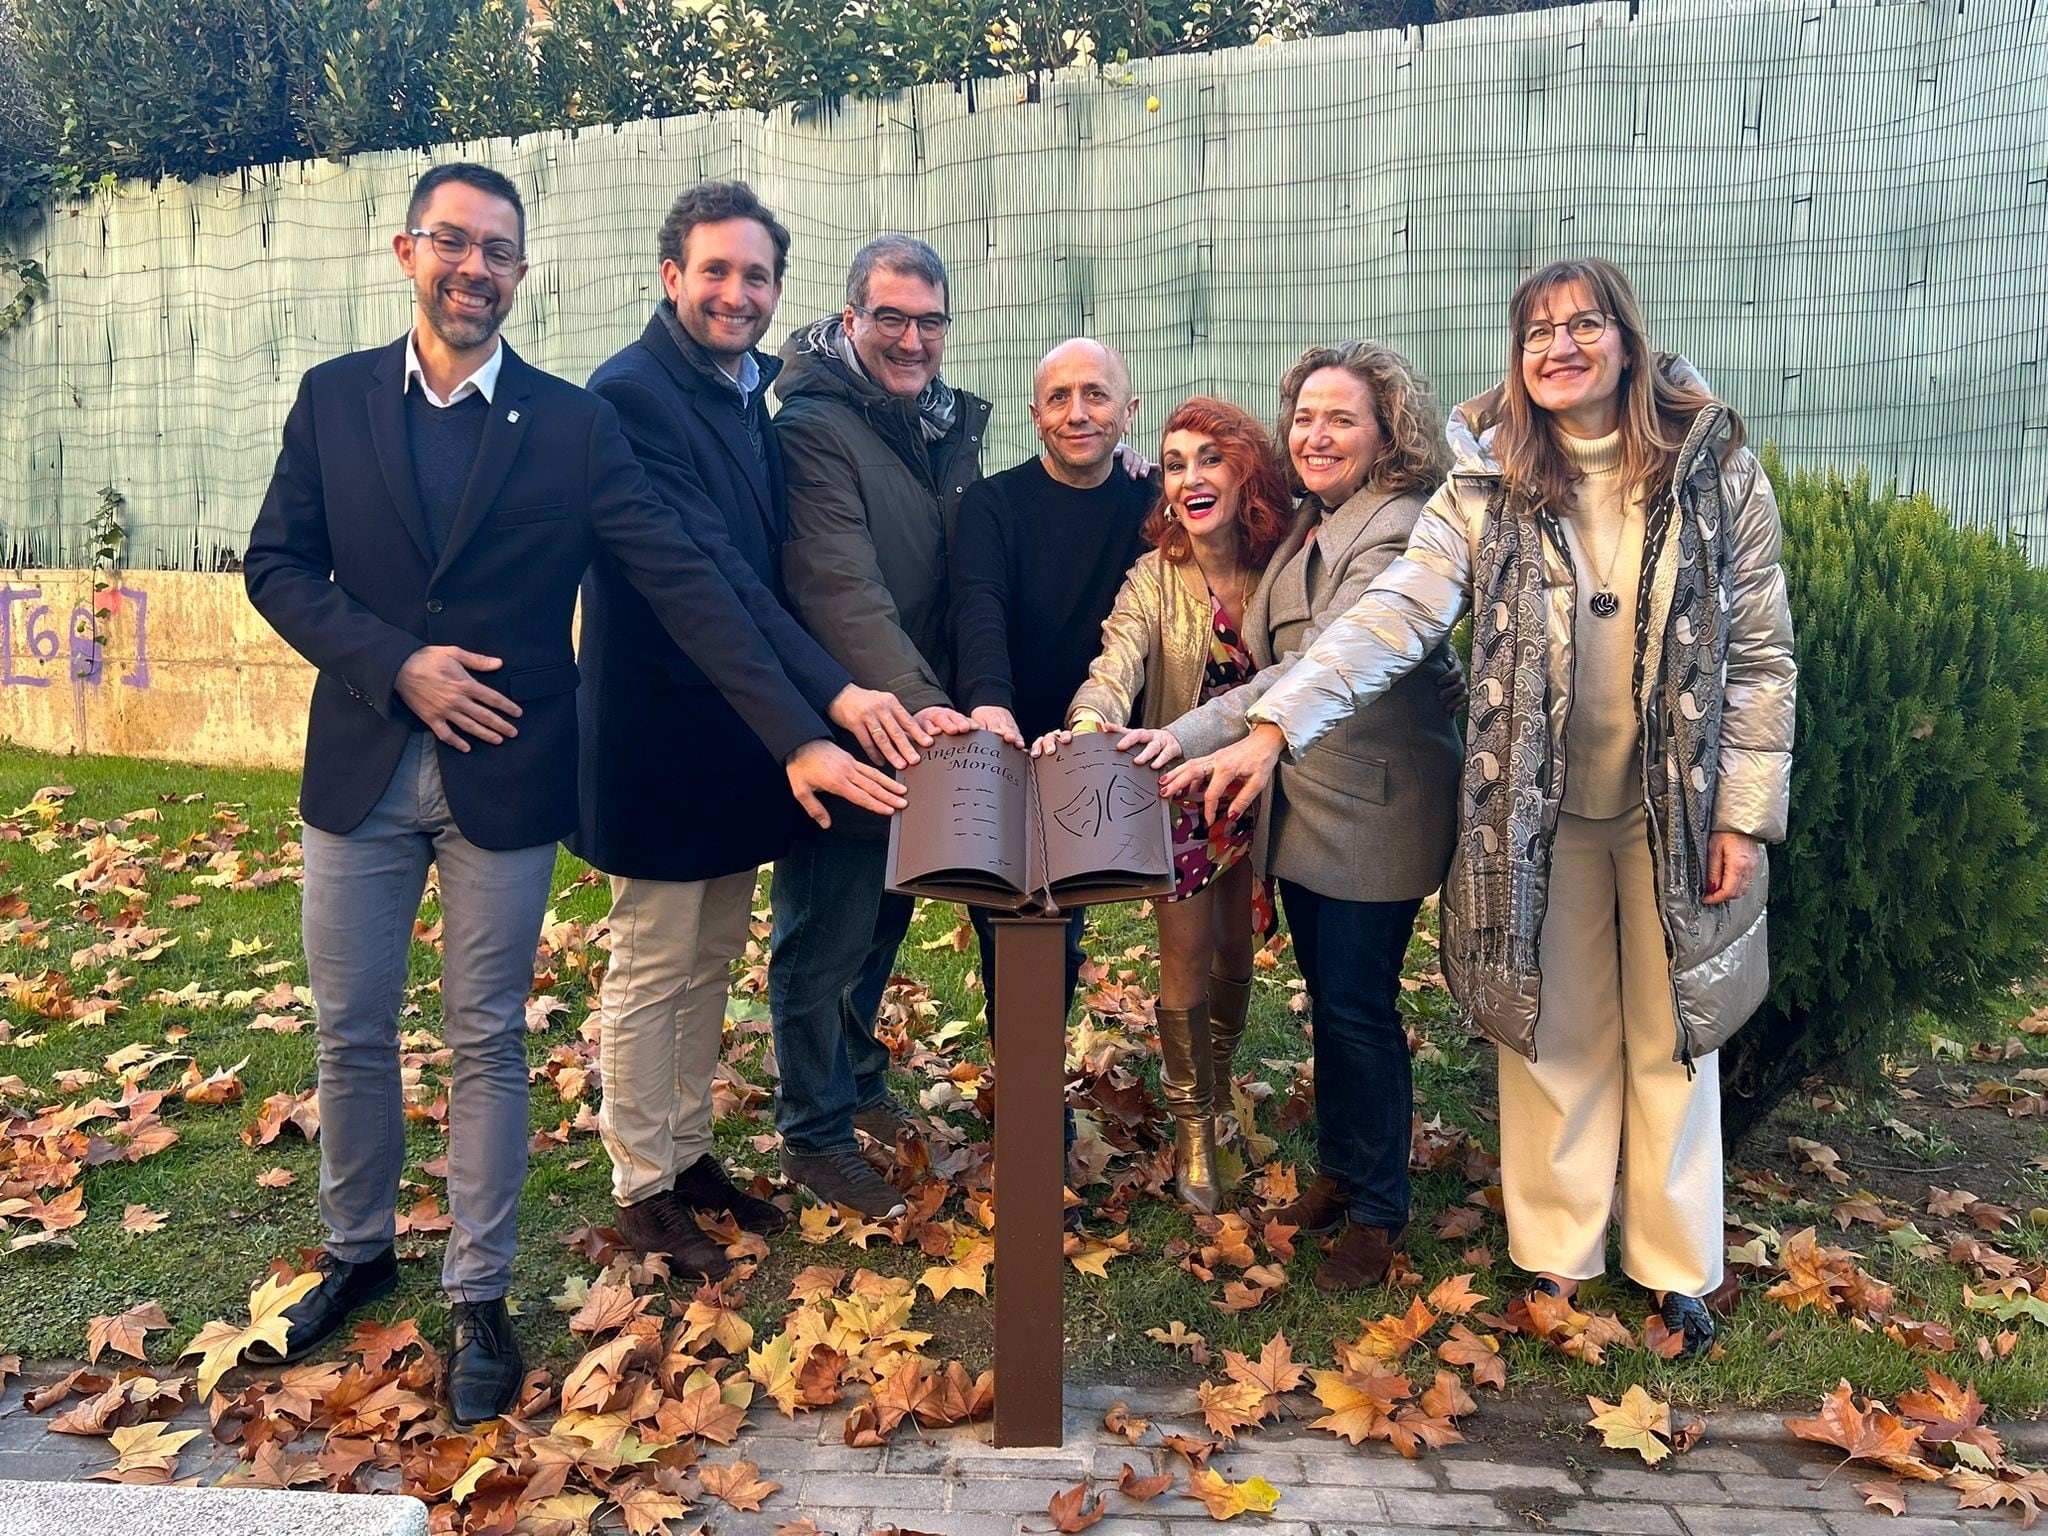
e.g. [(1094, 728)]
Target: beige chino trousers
[(662, 1017), (1605, 1109)]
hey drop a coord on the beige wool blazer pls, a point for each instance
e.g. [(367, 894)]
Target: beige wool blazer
[(1370, 813)]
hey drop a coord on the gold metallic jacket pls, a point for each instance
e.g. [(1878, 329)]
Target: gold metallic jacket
[(1720, 964), (1155, 643)]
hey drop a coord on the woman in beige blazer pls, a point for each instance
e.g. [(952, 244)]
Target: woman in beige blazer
[(1175, 637), (1361, 828)]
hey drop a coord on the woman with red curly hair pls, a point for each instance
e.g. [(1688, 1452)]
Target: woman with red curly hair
[(1174, 636)]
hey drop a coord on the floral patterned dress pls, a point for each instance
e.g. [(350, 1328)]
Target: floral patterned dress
[(1202, 851)]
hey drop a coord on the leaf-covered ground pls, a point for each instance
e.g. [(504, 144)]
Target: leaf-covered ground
[(158, 1153)]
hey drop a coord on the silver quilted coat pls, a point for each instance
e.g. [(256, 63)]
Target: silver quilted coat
[(1720, 964)]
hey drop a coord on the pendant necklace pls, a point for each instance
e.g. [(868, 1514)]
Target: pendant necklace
[(1603, 602)]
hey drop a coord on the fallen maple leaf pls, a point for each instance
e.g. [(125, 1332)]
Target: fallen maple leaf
[(124, 1333), (2024, 1486), (1455, 1297), (1228, 1407), (220, 1344), (1274, 1374), (1071, 1511), (1480, 1352), (1393, 1336), (1142, 1490), (738, 1484), (647, 1510), (140, 1220), (1227, 1500), (1889, 1497), (1637, 1423), (1866, 1433), (148, 1453)]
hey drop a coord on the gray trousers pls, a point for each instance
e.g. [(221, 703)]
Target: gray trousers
[(362, 892)]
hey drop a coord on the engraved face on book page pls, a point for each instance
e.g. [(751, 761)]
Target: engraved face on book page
[(1200, 486)]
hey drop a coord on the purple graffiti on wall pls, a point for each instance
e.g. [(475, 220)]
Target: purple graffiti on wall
[(39, 636)]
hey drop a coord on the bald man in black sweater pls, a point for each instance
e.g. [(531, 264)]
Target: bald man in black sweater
[(1037, 558)]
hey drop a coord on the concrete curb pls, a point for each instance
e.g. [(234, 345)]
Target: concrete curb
[(119, 1509)]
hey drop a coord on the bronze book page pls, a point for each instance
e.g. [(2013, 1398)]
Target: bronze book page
[(989, 826)]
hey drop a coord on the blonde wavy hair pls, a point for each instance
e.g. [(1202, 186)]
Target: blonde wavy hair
[(1417, 457)]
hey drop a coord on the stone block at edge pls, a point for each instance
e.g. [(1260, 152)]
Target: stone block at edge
[(116, 1509)]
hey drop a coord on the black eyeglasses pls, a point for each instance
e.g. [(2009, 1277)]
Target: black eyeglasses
[(452, 246), (892, 323), (1584, 328)]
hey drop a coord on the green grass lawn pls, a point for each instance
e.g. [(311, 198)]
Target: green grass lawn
[(231, 947)]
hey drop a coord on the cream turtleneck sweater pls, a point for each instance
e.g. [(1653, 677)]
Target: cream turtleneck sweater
[(1603, 739)]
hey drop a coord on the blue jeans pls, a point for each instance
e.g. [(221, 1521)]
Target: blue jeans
[(1350, 954), (362, 892), (829, 958)]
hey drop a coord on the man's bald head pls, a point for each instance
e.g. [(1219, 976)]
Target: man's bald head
[(1086, 352), (1081, 404)]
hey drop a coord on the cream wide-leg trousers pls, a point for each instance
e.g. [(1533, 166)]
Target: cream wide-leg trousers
[(662, 1017), (1605, 1109)]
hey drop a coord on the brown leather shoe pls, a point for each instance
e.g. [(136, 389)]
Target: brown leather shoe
[(1361, 1257), (663, 1225), (1318, 1209)]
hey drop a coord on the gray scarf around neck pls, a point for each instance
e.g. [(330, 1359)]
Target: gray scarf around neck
[(936, 406)]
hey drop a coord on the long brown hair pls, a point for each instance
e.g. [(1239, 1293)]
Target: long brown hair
[(1656, 411), (1411, 423), (1263, 504)]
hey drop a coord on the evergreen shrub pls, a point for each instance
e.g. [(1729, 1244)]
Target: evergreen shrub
[(1915, 873)]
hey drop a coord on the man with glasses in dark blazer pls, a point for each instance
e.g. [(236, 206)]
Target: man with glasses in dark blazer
[(433, 507)]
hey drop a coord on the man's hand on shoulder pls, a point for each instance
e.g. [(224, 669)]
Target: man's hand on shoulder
[(435, 684), (993, 717), (886, 731), (821, 767)]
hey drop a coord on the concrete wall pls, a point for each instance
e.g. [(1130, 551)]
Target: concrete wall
[(159, 664)]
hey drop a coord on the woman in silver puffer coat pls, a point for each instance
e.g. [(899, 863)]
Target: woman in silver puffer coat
[(1627, 757)]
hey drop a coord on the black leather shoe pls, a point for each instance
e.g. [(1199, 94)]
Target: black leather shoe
[(484, 1368), (704, 1186), (318, 1315), (1688, 1315)]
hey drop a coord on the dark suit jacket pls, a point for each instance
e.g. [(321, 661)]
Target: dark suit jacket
[(674, 787), (338, 564)]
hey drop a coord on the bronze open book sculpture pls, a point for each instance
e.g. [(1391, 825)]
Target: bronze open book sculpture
[(989, 825)]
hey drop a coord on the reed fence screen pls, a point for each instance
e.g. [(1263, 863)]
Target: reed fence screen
[(1839, 213)]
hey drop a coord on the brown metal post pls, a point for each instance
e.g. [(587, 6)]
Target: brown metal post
[(1030, 1173)]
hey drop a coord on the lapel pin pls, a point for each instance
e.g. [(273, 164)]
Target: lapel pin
[(511, 416)]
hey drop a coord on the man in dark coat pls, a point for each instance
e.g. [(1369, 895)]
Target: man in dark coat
[(433, 507), (879, 450), (680, 801)]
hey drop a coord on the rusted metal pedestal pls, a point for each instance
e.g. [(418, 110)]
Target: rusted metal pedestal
[(1030, 1174)]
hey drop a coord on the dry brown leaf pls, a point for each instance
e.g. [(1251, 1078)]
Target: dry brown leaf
[(1142, 1489), (124, 1332), (1889, 1497), (1071, 1511), (739, 1484)]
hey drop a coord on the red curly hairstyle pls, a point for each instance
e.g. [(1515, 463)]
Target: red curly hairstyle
[(1263, 505)]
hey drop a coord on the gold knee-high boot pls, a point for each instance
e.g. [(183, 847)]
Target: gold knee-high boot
[(1229, 1003), (1186, 1082)]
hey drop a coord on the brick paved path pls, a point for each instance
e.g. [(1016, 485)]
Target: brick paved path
[(953, 1483)]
